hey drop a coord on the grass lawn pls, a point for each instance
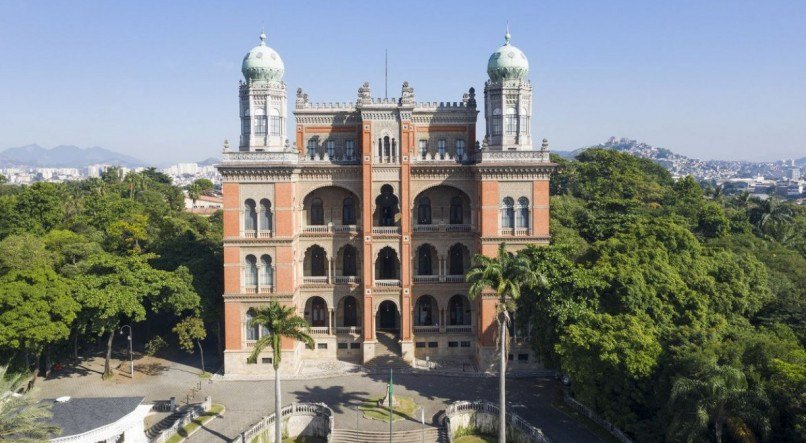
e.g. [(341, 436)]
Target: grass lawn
[(475, 439), (189, 428), (404, 410)]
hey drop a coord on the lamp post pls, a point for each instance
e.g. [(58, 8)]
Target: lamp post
[(131, 355)]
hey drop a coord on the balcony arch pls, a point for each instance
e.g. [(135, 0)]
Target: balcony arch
[(442, 205), (349, 312), (330, 204), (387, 207), (426, 311), (315, 262), (387, 265), (316, 312), (459, 311), (347, 261), (458, 259), (427, 260)]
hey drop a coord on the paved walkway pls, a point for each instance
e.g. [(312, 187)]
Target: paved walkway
[(248, 401)]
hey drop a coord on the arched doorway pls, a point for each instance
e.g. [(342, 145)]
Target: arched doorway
[(388, 317)]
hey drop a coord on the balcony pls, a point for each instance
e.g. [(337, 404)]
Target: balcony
[(514, 231), (257, 234), (432, 279), (353, 330), (459, 329), (454, 279), (314, 280), (426, 329), (386, 230), (387, 283), (347, 279), (441, 227), (320, 330), (330, 228), (426, 279)]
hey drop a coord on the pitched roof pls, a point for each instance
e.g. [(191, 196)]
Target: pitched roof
[(80, 415)]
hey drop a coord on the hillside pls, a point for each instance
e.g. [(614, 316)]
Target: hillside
[(64, 156)]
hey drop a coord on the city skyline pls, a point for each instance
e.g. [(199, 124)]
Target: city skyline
[(691, 78)]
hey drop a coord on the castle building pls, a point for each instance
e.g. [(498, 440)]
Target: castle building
[(368, 221)]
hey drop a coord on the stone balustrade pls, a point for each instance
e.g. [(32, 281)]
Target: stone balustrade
[(482, 417), (298, 420)]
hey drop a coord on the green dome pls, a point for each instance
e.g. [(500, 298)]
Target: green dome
[(507, 63), (262, 63)]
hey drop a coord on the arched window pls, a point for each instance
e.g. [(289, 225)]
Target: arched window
[(460, 148), (426, 311), (318, 315), (317, 212), (423, 148), (318, 261), (252, 331), (522, 214), (249, 215), (350, 311), (458, 311), (495, 126), (456, 260), (348, 211), (331, 148), (266, 271), (424, 262), (386, 267), (441, 148), (511, 121), (260, 122), (349, 150), (387, 146), (245, 122), (394, 148), (387, 206), (457, 211), (348, 265), (507, 213), (275, 122), (265, 215), (250, 271), (525, 123), (311, 148), (424, 211)]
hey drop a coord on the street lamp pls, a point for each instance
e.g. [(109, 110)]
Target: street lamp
[(131, 356)]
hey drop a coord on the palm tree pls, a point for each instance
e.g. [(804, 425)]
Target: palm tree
[(22, 419), (505, 276), (767, 214), (704, 406), (278, 322)]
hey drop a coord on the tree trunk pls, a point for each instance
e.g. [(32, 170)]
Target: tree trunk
[(201, 353), (75, 344), (502, 415), (278, 417), (107, 369), (718, 430), (48, 364)]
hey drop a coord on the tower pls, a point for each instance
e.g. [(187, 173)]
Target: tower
[(263, 100), (508, 100)]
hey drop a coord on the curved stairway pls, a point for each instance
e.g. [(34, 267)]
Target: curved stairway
[(430, 435), (164, 424)]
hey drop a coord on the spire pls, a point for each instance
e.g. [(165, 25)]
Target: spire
[(507, 36), (262, 38)]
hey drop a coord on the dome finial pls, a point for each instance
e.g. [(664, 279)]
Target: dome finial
[(507, 36), (262, 37)]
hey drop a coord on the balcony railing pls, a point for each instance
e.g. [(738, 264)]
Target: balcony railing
[(514, 231), (309, 279), (426, 279), (429, 329), (442, 228), (387, 282), (264, 234), (355, 330), (250, 290), (249, 234), (386, 230), (454, 279), (346, 279), (330, 228), (320, 330), (459, 329)]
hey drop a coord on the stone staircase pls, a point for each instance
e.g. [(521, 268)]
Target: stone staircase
[(430, 435), (387, 353), (163, 424)]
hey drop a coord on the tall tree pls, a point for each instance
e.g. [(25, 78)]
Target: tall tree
[(22, 419), (278, 321), (717, 399), (505, 275)]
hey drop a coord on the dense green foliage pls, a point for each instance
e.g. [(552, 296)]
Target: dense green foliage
[(80, 259), (678, 314)]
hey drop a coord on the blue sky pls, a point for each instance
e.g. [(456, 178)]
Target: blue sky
[(158, 80)]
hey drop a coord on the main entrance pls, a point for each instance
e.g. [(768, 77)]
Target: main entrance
[(388, 318)]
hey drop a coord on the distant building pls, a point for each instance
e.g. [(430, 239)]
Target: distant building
[(204, 205)]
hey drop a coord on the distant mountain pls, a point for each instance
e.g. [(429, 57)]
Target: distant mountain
[(210, 161), (680, 165), (64, 156)]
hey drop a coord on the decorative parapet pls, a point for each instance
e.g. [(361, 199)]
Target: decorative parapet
[(232, 158), (488, 156), (299, 419), (482, 416)]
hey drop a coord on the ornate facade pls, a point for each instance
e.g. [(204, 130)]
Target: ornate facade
[(367, 222)]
